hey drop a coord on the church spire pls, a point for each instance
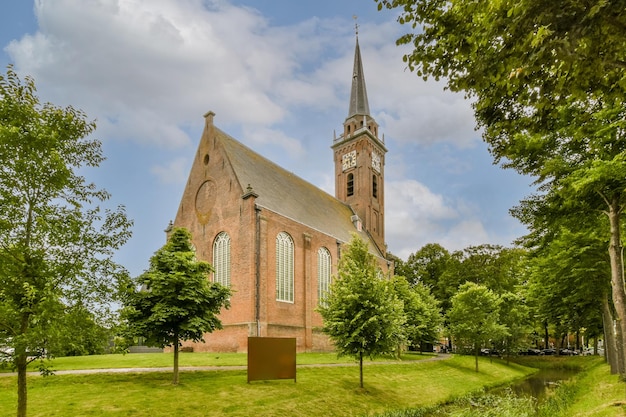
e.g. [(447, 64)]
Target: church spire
[(359, 157), (358, 94)]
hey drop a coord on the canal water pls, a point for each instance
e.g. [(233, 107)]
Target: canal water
[(539, 384), (532, 391)]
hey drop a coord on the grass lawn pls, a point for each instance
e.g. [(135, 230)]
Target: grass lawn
[(160, 360), (595, 393), (319, 391)]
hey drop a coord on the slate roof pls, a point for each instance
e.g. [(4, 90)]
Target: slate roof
[(358, 94), (287, 194)]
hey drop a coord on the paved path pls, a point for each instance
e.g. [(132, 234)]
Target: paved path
[(217, 368)]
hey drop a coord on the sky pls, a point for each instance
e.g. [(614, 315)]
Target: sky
[(277, 73)]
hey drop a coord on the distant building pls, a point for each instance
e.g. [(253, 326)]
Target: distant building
[(274, 238)]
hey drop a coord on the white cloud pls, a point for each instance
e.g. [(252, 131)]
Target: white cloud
[(162, 61), (417, 216), (261, 136), (174, 172), (149, 69)]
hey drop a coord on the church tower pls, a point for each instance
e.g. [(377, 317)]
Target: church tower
[(359, 157)]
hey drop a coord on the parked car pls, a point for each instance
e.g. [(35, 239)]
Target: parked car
[(6, 354), (530, 352), (568, 352), (548, 352)]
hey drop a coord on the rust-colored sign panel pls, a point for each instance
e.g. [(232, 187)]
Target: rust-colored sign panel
[(271, 358)]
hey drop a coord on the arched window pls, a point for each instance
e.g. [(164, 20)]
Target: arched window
[(323, 274), (374, 186), (350, 184), (284, 268), (221, 259)]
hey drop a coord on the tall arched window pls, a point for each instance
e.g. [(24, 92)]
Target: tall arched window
[(221, 259), (323, 274), (350, 184), (284, 268), (374, 186)]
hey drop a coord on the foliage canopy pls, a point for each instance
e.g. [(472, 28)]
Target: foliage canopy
[(362, 314), (56, 243), (174, 300)]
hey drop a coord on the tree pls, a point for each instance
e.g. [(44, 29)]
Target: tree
[(80, 333), (56, 243), (175, 300), (547, 81), (474, 318), (515, 317), (568, 280), (426, 266), (362, 314), (421, 309)]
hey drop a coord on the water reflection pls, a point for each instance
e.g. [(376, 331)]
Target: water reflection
[(539, 384)]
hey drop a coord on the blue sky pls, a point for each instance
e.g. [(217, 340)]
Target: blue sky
[(277, 74)]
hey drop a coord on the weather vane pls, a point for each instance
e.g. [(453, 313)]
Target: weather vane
[(356, 25)]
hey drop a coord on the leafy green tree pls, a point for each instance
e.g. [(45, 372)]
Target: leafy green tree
[(515, 317), (426, 266), (569, 279), (79, 333), (495, 267), (362, 316), (56, 243), (547, 83), (421, 309), (175, 300), (474, 318)]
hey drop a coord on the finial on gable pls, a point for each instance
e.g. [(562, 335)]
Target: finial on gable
[(356, 25), (249, 193), (208, 118)]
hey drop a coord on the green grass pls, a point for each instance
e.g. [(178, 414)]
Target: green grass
[(593, 393), (164, 360), (319, 391)]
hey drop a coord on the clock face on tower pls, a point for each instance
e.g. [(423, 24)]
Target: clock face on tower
[(348, 160), (376, 162)]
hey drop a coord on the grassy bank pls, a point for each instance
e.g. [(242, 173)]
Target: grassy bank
[(327, 391), (593, 393)]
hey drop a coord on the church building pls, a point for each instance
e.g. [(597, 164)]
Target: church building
[(276, 239)]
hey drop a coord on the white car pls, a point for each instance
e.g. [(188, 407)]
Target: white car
[(6, 354)]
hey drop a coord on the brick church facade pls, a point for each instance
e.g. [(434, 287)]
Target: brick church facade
[(276, 239)]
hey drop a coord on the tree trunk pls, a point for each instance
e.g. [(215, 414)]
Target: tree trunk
[(610, 351), (22, 393), (476, 352), (361, 369), (617, 281), (175, 381), (21, 362)]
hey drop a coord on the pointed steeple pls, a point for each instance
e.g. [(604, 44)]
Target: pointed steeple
[(359, 157), (358, 94)]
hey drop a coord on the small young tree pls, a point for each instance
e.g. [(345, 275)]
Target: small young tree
[(474, 316), (362, 314), (175, 300)]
